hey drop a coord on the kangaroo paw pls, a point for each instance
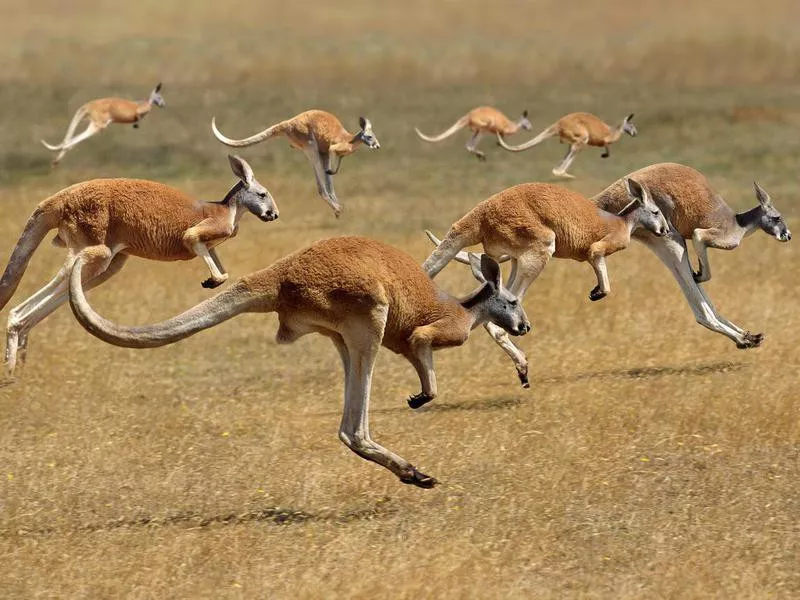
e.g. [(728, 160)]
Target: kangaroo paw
[(750, 340), (417, 478), (597, 294), (211, 283), (522, 373), (419, 400)]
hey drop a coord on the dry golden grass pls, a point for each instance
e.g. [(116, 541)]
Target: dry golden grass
[(650, 458)]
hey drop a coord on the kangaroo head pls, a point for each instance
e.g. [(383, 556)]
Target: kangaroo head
[(366, 134), (156, 97), (249, 193), (628, 126), (642, 211), (771, 221), (524, 122), (499, 306)]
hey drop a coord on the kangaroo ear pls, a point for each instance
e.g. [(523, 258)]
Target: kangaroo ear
[(491, 271), (362, 122), (635, 190), (525, 113), (241, 169), (475, 266), (158, 87), (629, 118), (762, 195)]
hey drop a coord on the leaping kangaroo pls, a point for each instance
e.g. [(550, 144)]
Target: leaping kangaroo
[(482, 120), (578, 130), (695, 211), (531, 222), (323, 139), (698, 213), (360, 293), (127, 217), (101, 113)]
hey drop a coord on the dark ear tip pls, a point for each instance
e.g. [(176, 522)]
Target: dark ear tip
[(525, 113), (630, 116)]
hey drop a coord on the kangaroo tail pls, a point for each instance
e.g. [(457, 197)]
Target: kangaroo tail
[(547, 133), (460, 124), (461, 235), (248, 141), (73, 125), (462, 256), (35, 229), (235, 300)]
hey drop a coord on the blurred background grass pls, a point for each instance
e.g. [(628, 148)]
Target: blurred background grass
[(650, 459)]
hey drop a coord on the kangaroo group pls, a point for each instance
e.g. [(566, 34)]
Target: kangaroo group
[(361, 293)]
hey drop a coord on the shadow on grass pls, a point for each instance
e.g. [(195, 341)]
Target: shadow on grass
[(272, 515), (646, 372)]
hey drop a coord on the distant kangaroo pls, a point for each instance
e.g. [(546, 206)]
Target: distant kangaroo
[(482, 120), (127, 217), (101, 113), (531, 222), (578, 130), (323, 139), (360, 293), (698, 213)]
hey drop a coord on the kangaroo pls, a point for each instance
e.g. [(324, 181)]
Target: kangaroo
[(103, 112), (360, 293), (323, 139), (129, 217), (482, 120), (698, 213), (578, 130), (531, 222)]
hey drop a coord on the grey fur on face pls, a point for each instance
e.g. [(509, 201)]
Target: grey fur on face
[(502, 307), (367, 135), (251, 194)]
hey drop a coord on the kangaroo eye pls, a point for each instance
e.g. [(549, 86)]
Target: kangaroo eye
[(512, 302), (655, 212), (262, 194)]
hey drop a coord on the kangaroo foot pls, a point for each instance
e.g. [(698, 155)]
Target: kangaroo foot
[(211, 283), (522, 373), (417, 478), (419, 400), (751, 340), (481, 156), (597, 294)]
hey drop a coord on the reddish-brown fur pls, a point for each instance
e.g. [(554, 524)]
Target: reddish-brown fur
[(541, 213), (360, 293), (684, 194), (586, 128), (487, 119)]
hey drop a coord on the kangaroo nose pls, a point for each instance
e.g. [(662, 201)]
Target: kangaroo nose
[(270, 215)]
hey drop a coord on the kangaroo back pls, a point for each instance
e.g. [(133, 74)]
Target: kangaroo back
[(39, 223)]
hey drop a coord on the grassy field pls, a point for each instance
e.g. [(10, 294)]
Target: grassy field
[(649, 459)]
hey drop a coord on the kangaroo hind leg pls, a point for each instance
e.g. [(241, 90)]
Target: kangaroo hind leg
[(362, 335)]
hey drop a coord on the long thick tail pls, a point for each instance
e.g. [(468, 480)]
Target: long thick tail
[(35, 229), (547, 133), (248, 141), (235, 300), (73, 125), (460, 124), (462, 256)]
